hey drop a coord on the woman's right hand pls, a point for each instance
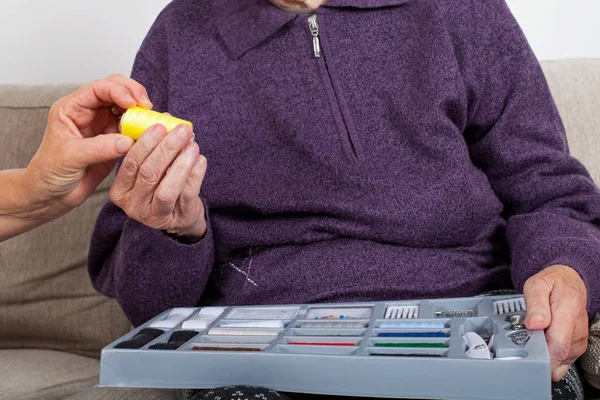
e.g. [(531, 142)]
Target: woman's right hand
[(159, 181)]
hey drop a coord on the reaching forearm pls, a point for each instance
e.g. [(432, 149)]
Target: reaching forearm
[(19, 210)]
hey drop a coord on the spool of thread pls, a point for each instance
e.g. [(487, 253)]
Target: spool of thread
[(404, 354), (209, 348), (137, 120), (252, 324), (244, 332), (411, 334), (411, 345), (332, 324), (413, 324)]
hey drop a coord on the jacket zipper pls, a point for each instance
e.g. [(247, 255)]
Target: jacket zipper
[(314, 31), (341, 120)]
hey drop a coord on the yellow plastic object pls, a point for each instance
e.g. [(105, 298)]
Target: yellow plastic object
[(137, 120)]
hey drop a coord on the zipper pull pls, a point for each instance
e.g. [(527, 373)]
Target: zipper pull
[(314, 30)]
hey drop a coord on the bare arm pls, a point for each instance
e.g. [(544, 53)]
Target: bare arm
[(80, 147), (18, 210)]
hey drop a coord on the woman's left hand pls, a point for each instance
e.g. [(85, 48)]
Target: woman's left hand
[(556, 300)]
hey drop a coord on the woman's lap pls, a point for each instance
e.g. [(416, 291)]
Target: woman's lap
[(570, 388)]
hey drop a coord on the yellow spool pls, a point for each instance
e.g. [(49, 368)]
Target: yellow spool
[(137, 120)]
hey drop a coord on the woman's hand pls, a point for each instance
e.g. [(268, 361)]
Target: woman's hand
[(556, 300), (81, 145), (158, 183)]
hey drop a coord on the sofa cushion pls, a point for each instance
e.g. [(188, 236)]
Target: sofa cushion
[(56, 375), (46, 298), (45, 374)]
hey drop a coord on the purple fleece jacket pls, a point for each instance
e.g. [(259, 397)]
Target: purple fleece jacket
[(421, 155)]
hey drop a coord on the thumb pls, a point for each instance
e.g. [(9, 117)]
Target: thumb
[(537, 297), (98, 149)]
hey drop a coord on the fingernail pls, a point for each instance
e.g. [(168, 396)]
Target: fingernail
[(123, 145), (190, 151), (181, 132), (155, 133), (131, 99), (536, 318), (145, 99), (200, 163)]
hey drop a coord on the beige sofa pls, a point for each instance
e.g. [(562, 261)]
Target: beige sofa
[(53, 324)]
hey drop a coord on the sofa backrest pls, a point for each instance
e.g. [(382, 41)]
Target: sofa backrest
[(46, 298), (575, 85)]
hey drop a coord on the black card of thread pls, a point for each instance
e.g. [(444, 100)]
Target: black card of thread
[(141, 339), (177, 339)]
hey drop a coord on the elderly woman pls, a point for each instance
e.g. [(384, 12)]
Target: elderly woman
[(358, 150)]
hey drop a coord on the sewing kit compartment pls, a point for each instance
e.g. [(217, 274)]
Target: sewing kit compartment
[(466, 348)]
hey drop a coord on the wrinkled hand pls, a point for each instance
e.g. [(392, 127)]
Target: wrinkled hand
[(556, 300), (81, 143), (159, 181)]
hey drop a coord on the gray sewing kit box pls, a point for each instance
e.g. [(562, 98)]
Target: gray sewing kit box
[(463, 348)]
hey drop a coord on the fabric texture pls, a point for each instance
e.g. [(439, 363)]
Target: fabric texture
[(233, 393), (46, 299), (590, 361), (418, 156), (570, 387)]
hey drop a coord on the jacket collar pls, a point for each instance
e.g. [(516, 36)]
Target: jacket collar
[(245, 24)]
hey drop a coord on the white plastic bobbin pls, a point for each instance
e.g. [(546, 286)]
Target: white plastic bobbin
[(203, 319), (174, 318), (402, 312), (509, 306)]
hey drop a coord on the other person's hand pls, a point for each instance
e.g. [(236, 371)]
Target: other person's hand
[(81, 144)]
